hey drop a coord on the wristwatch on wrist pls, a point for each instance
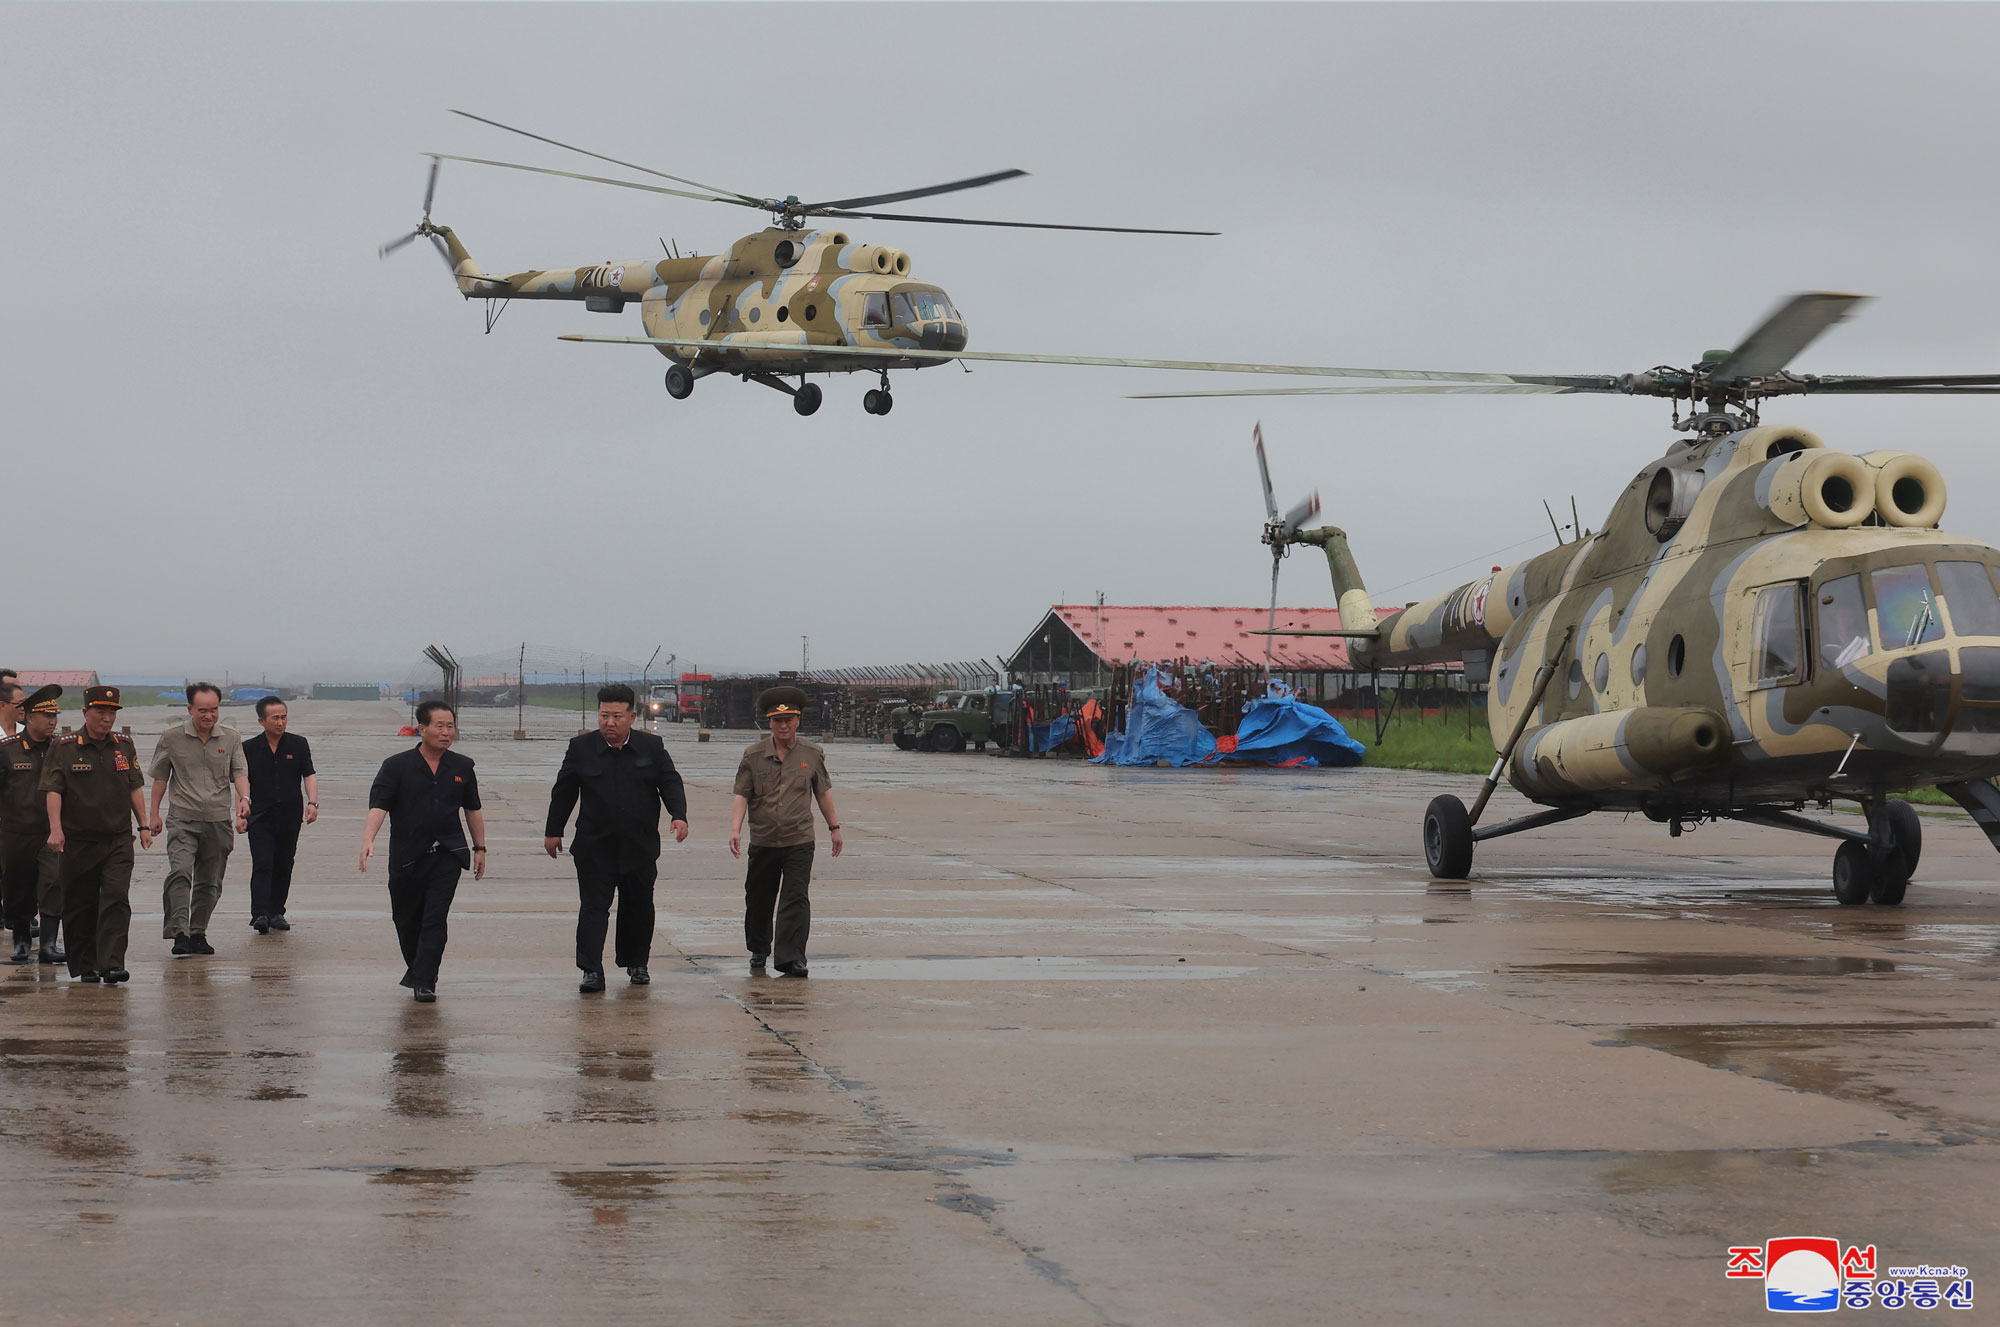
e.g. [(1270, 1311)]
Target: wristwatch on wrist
[(480, 848), (312, 803)]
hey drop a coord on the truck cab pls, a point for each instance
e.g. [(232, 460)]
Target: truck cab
[(663, 701)]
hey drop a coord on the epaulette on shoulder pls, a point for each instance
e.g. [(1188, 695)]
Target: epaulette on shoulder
[(11, 741), (66, 738), (126, 738)]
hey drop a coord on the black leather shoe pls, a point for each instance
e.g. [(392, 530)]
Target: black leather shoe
[(280, 924), (261, 925), (757, 962), (425, 995), (797, 969), (89, 974), (199, 943), (51, 951), (181, 947), (592, 983), (24, 950), (640, 977), (112, 976)]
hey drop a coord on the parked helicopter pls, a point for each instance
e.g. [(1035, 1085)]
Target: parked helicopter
[(784, 302), (1762, 623)]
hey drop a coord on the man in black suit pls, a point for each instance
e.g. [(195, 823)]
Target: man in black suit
[(623, 778), (421, 793)]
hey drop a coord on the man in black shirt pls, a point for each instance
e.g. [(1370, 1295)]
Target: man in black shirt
[(623, 778), (284, 795), (420, 793)]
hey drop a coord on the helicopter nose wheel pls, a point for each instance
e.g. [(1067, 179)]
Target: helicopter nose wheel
[(807, 398), (878, 401), (680, 383)]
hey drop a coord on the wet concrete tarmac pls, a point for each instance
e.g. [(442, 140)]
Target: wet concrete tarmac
[(1081, 1046)]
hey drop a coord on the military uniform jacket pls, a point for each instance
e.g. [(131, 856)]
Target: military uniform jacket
[(96, 780), (622, 792), (23, 808), (781, 791)]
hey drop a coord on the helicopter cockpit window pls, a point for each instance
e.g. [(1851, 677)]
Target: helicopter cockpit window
[(931, 305), (1777, 656), (875, 311), (1906, 612), (1843, 623), (1969, 598)]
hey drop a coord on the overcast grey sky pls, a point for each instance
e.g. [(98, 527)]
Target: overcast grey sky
[(237, 440)]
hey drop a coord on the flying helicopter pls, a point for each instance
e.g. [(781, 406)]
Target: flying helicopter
[(788, 301), (1762, 624)]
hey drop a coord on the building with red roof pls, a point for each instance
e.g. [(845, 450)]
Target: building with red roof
[(31, 678), (1075, 640)]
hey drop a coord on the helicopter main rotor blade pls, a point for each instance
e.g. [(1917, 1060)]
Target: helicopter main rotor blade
[(1498, 382), (1789, 329), (1018, 225), (599, 179), (1961, 384), (1264, 473), (1413, 389), (730, 194), (873, 200)]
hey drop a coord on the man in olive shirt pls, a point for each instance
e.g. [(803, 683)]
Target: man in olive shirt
[(95, 790), (777, 783), (33, 870), (204, 760)]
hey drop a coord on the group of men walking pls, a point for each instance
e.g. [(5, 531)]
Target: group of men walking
[(67, 806), (68, 803)]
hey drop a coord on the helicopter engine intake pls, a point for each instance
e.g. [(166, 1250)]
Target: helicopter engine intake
[(1821, 487), (1909, 491)]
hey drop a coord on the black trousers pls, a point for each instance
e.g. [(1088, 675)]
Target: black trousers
[(776, 883), (595, 887), (274, 843), (21, 857), (420, 895)]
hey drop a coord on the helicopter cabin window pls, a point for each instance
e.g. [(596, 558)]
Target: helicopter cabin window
[(1843, 623), (1969, 598), (1906, 612), (1777, 656), (875, 310)]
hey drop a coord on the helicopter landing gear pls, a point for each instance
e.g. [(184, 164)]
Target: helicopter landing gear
[(1853, 877), (807, 398), (680, 382), (878, 401), (1447, 838)]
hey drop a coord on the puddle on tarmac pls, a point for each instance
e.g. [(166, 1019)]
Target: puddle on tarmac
[(434, 1181), (1801, 1055), (1725, 965), (1018, 968)]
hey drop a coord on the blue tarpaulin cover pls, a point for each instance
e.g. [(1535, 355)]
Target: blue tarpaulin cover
[(1049, 736), (1280, 729), (1157, 728)]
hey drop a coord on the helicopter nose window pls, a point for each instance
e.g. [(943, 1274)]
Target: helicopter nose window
[(906, 312), (1969, 598), (875, 311), (1775, 653), (1843, 623), (1906, 612)]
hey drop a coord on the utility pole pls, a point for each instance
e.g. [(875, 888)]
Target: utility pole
[(521, 695), (805, 655)]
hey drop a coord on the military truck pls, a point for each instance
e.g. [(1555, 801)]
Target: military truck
[(953, 719)]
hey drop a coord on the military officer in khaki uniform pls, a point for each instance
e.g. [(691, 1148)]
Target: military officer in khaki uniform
[(95, 791), (33, 870)]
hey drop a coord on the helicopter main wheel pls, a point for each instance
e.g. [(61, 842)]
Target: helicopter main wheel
[(1892, 877), (1853, 873), (806, 399), (878, 401), (1447, 838), (680, 383)]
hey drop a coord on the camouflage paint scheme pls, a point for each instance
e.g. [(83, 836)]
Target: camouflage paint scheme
[(773, 304), (1903, 704)]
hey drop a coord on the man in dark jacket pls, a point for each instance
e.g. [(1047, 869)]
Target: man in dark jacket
[(623, 778)]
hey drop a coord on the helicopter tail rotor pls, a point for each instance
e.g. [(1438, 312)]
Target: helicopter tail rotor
[(424, 227), (1278, 531)]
